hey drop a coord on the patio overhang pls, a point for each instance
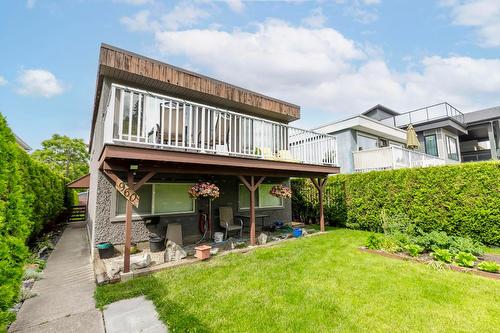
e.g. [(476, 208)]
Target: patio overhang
[(80, 183), (119, 158), (141, 164)]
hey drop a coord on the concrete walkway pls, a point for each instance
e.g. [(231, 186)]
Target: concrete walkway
[(65, 295)]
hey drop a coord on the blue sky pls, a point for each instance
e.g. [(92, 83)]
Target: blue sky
[(333, 58)]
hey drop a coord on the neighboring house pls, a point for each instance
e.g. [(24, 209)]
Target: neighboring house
[(375, 140), (22, 144), (166, 128)]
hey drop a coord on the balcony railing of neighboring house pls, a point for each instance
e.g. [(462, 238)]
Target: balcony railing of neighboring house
[(164, 122), (433, 112), (392, 158)]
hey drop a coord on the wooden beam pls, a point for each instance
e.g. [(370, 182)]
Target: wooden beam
[(144, 179), (252, 186), (320, 186), (128, 226)]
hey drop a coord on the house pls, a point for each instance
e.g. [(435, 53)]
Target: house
[(375, 139), (160, 129), (22, 144)]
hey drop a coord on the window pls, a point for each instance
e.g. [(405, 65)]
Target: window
[(366, 142), (158, 199), (262, 197), (430, 143), (452, 148)]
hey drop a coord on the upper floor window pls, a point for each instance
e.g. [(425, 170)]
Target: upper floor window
[(366, 142), (452, 148), (430, 143)]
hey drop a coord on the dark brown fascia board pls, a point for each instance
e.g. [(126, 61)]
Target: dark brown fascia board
[(225, 164), (292, 114)]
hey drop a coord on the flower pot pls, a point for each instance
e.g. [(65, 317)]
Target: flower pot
[(202, 252), (156, 243), (106, 250)]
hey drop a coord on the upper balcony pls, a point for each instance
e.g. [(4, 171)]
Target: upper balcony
[(143, 119), (392, 158), (429, 113)]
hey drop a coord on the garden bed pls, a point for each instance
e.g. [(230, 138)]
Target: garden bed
[(429, 260)]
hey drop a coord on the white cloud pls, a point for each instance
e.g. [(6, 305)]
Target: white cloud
[(3, 81), (30, 4), (316, 19), (371, 2), (182, 15), (236, 5), (483, 15), (39, 82), (320, 69), (134, 2)]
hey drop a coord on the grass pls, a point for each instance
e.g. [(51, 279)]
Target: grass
[(317, 284), (493, 250)]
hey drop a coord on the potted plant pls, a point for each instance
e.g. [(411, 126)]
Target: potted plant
[(281, 191), (208, 191)]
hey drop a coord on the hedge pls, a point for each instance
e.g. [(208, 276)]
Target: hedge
[(462, 199), (30, 196)]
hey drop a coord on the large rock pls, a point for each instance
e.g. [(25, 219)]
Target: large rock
[(262, 239), (140, 261), (174, 252)]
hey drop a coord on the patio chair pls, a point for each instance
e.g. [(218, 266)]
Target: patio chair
[(226, 221)]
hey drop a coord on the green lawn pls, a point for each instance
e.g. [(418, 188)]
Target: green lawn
[(317, 284)]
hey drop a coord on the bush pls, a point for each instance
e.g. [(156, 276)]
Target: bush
[(414, 250), (460, 200), (465, 259), (464, 244), (489, 266), (443, 255), (30, 195), (374, 242)]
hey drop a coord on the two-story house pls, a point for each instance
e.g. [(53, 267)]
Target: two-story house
[(376, 139), (159, 129)]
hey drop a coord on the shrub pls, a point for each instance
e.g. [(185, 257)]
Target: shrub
[(443, 255), (465, 244), (489, 266), (390, 245), (414, 250), (460, 200), (433, 240), (30, 196), (374, 242), (465, 259)]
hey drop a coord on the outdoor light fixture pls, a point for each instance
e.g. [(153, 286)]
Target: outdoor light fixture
[(134, 167)]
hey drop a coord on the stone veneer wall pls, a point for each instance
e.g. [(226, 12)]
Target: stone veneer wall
[(108, 229)]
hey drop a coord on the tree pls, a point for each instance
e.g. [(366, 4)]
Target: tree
[(67, 156)]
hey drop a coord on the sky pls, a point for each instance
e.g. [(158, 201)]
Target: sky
[(334, 58)]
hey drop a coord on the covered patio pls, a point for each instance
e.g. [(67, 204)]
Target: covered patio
[(134, 167)]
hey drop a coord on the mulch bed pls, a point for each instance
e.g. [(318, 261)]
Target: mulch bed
[(427, 259)]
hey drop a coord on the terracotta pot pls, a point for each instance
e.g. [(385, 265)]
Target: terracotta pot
[(202, 252)]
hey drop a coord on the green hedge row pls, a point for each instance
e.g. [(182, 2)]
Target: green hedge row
[(462, 200), (30, 196)]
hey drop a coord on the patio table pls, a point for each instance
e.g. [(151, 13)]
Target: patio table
[(257, 216)]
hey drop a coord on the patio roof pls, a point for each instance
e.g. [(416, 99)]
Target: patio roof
[(80, 183), (119, 158)]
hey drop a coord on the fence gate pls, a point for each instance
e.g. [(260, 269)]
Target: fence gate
[(77, 213)]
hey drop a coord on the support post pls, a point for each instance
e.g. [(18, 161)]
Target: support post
[(252, 186), (128, 226), (320, 186)]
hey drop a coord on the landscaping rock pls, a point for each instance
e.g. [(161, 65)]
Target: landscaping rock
[(140, 261), (304, 232), (229, 245), (262, 239), (214, 250), (174, 252)]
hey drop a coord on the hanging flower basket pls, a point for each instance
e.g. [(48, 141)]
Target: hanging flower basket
[(281, 191), (204, 190)]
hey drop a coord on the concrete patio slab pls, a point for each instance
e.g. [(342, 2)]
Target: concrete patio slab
[(133, 315), (65, 295)]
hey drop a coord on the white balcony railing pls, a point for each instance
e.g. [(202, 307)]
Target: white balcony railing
[(164, 122), (392, 158), (432, 112)]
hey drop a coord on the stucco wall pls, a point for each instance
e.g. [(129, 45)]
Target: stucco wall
[(109, 228)]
